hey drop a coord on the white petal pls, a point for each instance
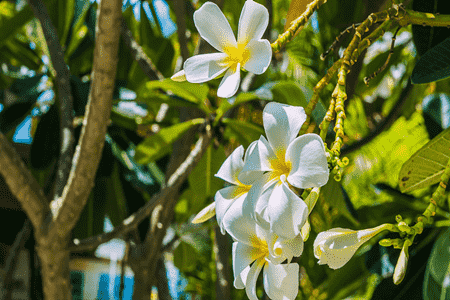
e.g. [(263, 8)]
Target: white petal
[(179, 76), (230, 82), (288, 248), (257, 159), (281, 281), (205, 214), (252, 22), (286, 211), (204, 67), (251, 204), (213, 27), (239, 282), (249, 177), (232, 166), (309, 167), (243, 256), (282, 123), (260, 55), (250, 284), (223, 199), (241, 227)]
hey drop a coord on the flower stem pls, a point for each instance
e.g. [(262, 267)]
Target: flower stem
[(284, 38)]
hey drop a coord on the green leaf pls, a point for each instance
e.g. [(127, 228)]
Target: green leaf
[(426, 166), (244, 132), (333, 190), (290, 92), (13, 23), (202, 180), (184, 257), (123, 120), (158, 98), (69, 7), (434, 65), (437, 273), (158, 145), (241, 98), (116, 208), (192, 92)]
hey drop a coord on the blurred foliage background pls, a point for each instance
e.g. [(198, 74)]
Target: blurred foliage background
[(388, 120)]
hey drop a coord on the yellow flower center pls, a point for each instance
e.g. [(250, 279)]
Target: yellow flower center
[(280, 167), (236, 55), (261, 245)]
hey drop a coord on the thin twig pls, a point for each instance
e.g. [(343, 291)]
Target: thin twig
[(62, 78), (338, 39), (139, 55), (174, 182), (381, 69)]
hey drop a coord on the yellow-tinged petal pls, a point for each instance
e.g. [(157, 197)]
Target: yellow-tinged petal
[(205, 214), (179, 76)]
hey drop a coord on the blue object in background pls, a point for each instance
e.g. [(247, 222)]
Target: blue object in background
[(103, 288)]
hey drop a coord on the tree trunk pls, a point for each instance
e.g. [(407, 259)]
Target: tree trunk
[(54, 258)]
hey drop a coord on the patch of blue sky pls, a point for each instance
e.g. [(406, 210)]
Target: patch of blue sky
[(315, 22), (168, 27), (22, 134)]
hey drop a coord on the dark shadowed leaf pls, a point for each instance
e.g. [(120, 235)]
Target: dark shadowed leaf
[(434, 65)]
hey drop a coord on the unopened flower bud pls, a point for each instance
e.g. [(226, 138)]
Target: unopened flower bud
[(385, 242), (402, 263)]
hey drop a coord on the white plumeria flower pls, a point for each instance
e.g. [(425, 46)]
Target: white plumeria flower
[(249, 51), (335, 247), (229, 172), (285, 160), (254, 244)]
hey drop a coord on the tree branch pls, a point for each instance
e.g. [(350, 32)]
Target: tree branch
[(62, 78), (139, 55), (385, 124), (22, 184), (181, 27), (174, 182), (68, 207)]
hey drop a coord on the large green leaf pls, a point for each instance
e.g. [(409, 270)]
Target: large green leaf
[(434, 65), (184, 257), (225, 105), (426, 166), (11, 20), (192, 92), (158, 145), (437, 274), (202, 180), (245, 132)]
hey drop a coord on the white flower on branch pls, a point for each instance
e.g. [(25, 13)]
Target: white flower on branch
[(249, 51), (256, 248), (285, 160), (335, 247)]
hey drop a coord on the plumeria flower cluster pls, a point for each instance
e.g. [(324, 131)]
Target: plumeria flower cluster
[(249, 51), (261, 209)]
